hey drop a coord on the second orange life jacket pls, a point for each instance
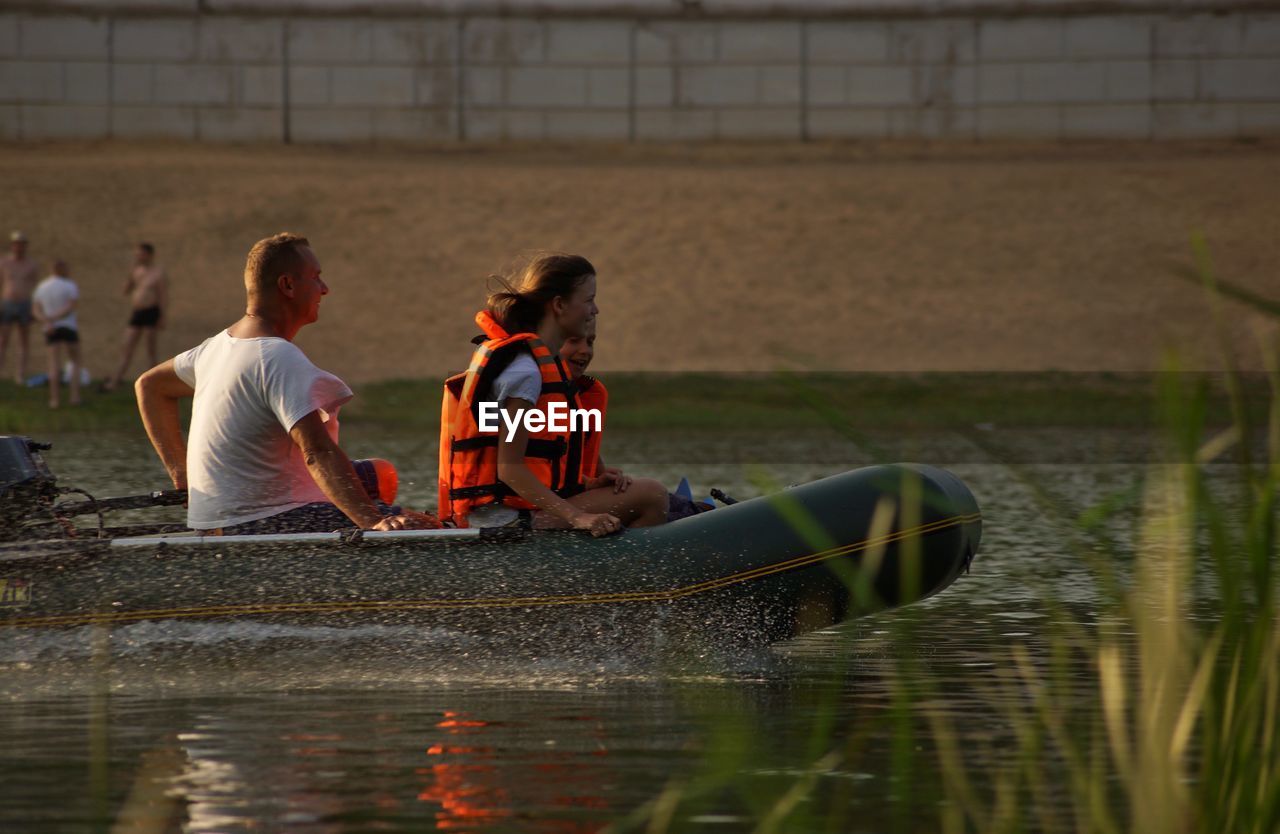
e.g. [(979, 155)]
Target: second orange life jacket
[(592, 394)]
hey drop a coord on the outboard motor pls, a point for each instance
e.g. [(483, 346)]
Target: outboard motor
[(27, 486)]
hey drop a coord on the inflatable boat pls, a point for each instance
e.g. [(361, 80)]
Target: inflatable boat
[(761, 570)]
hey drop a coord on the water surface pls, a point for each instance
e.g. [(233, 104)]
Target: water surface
[(249, 727)]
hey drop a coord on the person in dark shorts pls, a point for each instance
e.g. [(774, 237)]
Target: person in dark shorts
[(62, 335), (148, 291), (146, 317), (54, 306)]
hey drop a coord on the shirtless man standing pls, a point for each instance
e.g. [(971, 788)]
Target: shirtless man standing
[(147, 289), (18, 275)]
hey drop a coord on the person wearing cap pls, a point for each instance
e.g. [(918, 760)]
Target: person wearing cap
[(18, 276), (54, 305)]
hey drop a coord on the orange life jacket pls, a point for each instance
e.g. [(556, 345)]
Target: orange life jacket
[(592, 394), (468, 471)]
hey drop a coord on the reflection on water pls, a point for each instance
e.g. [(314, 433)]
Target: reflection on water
[(248, 727)]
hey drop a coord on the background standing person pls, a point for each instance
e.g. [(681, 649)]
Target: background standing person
[(54, 306), (18, 275), (147, 289)]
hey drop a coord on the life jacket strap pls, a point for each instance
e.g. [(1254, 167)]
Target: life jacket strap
[(497, 489), (566, 389), (537, 448)]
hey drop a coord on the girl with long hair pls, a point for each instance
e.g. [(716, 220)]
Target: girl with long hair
[(517, 365)]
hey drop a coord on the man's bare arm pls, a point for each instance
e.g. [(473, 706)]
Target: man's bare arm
[(336, 477), (158, 392)]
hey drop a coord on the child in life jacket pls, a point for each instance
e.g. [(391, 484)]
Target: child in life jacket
[(527, 464), (577, 353)]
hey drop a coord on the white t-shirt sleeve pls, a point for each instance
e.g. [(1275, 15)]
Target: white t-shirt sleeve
[(184, 364), (294, 387), (520, 379)]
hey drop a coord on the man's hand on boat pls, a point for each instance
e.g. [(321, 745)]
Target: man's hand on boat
[(597, 524), (409, 520)]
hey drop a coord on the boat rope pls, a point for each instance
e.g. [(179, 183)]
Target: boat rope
[(356, 606)]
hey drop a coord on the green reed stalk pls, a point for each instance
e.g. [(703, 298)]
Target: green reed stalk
[(1162, 718), (1182, 735)]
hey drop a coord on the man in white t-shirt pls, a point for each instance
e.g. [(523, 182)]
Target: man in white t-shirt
[(262, 451), (54, 305)]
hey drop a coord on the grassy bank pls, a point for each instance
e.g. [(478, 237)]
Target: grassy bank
[(788, 401), (26, 411), (748, 402), (781, 402)]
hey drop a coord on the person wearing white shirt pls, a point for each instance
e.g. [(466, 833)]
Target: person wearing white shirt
[(262, 451), (54, 306)]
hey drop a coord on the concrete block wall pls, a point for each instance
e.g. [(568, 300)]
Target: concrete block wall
[(165, 72), (183, 77), (364, 79), (538, 79)]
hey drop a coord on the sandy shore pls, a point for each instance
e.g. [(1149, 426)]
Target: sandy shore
[(889, 257)]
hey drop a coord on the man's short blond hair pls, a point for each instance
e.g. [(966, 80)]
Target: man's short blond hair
[(270, 258)]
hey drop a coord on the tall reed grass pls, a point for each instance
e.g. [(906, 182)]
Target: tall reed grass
[(1160, 715)]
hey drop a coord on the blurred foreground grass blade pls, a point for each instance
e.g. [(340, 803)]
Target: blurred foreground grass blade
[(1235, 393), (1160, 715), (799, 791), (1259, 303), (1267, 545)]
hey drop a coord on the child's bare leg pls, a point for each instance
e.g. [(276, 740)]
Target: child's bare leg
[(644, 504)]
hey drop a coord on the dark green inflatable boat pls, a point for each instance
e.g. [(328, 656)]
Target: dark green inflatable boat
[(766, 569)]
